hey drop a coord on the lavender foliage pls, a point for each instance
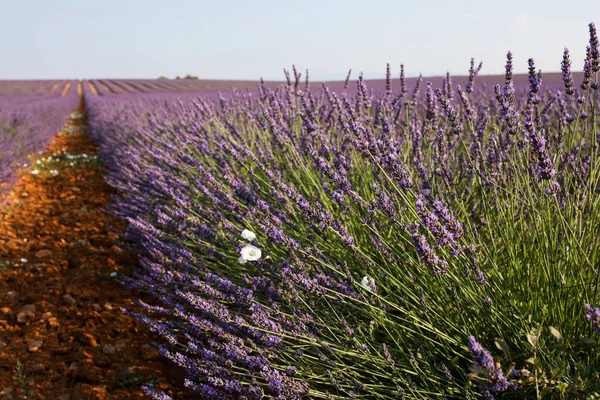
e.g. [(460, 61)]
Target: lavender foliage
[(388, 229)]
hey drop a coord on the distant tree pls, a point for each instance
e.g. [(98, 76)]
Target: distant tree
[(162, 77), (190, 77)]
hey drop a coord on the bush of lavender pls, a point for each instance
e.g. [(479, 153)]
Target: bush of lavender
[(27, 124), (302, 243)]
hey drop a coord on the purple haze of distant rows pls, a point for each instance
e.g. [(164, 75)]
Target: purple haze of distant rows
[(31, 113)]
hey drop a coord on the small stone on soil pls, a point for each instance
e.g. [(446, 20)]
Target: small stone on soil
[(116, 249), (108, 349), (35, 346), (28, 309), (120, 346), (43, 254), (72, 367), (25, 313)]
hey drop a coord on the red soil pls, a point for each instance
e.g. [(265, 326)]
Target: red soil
[(63, 295)]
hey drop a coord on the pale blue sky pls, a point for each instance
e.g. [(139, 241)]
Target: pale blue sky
[(249, 39)]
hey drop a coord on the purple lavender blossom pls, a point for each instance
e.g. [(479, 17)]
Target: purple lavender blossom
[(567, 75), (482, 358), (593, 314), (587, 70), (431, 113), (151, 392), (388, 81), (456, 126), (417, 88), (594, 54), (403, 86), (472, 75), (535, 81), (506, 98), (446, 372), (347, 81)]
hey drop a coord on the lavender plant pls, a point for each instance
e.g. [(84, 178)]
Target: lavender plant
[(303, 244)]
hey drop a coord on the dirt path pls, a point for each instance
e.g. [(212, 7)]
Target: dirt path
[(62, 335)]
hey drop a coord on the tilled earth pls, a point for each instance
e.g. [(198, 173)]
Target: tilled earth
[(62, 332)]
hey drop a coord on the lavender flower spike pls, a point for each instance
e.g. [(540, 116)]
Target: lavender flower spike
[(593, 314), (567, 75), (594, 55), (495, 381)]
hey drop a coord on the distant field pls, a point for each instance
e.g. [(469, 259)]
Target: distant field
[(106, 87)]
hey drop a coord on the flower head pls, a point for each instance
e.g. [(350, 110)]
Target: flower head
[(248, 235), (249, 253), (368, 283)]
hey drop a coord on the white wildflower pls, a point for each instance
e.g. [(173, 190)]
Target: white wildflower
[(113, 274), (23, 260), (368, 283), (249, 253), (248, 235), (35, 171), (54, 172)]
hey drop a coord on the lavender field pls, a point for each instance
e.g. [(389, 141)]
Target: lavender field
[(31, 113), (421, 240), (396, 239)]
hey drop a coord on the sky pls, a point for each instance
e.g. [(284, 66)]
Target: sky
[(245, 39)]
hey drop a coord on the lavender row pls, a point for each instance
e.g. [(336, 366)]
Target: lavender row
[(429, 241), (27, 124)]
